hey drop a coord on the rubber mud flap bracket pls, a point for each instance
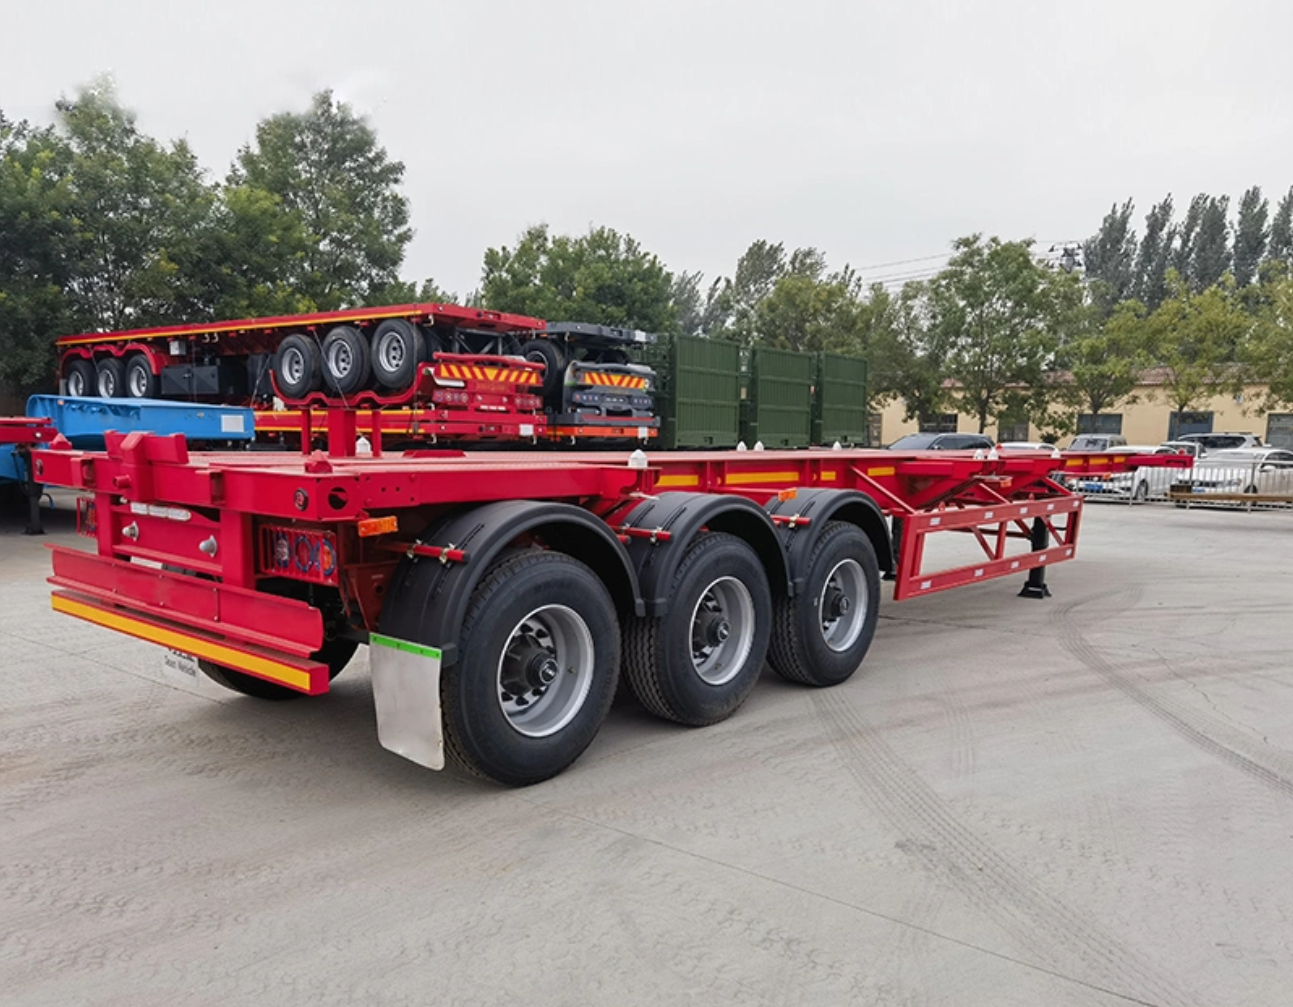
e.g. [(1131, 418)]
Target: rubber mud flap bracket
[(406, 693)]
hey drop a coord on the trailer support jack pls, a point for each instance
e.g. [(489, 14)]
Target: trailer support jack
[(1035, 586)]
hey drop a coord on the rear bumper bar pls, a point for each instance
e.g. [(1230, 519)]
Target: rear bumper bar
[(250, 631)]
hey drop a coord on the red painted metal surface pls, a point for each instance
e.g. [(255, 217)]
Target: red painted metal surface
[(228, 613), (479, 318), (26, 430)]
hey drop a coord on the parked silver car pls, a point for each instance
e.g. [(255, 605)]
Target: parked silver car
[(1223, 441), (1262, 472)]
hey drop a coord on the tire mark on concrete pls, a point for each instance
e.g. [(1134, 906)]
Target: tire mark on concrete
[(1059, 937), (1207, 733)]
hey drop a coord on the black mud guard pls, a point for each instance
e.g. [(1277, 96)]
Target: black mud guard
[(820, 506), (682, 515), (427, 599)]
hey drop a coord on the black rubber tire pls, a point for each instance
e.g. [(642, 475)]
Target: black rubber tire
[(311, 371), (657, 652), (345, 342), (798, 652), (81, 372), (110, 378), (613, 356), (335, 653), (139, 372), (553, 359), (409, 339), (478, 737)]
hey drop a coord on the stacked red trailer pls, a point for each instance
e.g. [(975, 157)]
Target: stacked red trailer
[(439, 371)]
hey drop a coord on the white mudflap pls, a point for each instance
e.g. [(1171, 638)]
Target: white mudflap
[(406, 691)]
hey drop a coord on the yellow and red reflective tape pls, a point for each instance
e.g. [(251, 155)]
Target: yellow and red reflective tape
[(239, 660), (614, 380)]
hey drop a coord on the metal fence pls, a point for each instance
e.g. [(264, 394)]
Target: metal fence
[(1249, 485)]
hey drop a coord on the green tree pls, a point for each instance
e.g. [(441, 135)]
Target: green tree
[(1195, 338), (996, 311), (688, 302), (410, 292), (1155, 254), (326, 168), (1110, 258), (36, 239), (603, 277), (1187, 237), (1267, 353), (1211, 258), (1251, 235), (805, 313), (250, 256), (732, 302), (904, 358), (1280, 247), (1106, 357), (139, 210)]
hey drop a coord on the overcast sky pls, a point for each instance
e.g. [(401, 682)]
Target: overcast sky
[(876, 132)]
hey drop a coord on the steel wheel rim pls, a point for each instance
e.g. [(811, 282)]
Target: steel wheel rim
[(137, 382), (545, 672), (294, 365), (722, 630), (76, 383), (842, 605), (340, 359), (390, 352), (104, 382)]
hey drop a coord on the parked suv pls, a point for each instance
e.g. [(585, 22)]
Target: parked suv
[(1097, 442), (1222, 441), (942, 442)]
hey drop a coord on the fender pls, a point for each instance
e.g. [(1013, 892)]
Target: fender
[(821, 506), (427, 600), (682, 515)]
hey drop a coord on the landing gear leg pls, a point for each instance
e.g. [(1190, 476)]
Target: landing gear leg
[(1036, 585)]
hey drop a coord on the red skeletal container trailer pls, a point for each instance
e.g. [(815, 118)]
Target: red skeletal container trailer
[(502, 595)]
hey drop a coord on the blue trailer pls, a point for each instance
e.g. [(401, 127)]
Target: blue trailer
[(84, 421)]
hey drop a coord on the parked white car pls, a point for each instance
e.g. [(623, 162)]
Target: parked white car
[(1248, 471), (1025, 446), (1097, 442)]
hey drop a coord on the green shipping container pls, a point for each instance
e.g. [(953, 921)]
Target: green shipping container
[(700, 393), (840, 407), (779, 406)]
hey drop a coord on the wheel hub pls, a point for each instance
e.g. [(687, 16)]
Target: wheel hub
[(842, 608), (722, 630), (545, 671), (712, 628)]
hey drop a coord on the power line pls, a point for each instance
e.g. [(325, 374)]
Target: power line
[(899, 262)]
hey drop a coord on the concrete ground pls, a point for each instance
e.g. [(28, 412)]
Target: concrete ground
[(1087, 800)]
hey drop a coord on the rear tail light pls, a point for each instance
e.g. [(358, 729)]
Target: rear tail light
[(299, 554), (449, 397), (87, 517)]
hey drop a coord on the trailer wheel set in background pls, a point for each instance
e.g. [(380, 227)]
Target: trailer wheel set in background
[(448, 373)]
